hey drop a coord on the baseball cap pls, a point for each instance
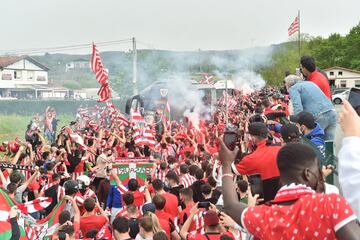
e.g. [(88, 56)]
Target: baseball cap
[(258, 129), (211, 218), (290, 132), (148, 207)]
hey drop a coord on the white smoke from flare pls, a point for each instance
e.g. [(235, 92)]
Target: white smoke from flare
[(248, 81)]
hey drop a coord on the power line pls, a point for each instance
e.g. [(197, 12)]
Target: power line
[(64, 48)]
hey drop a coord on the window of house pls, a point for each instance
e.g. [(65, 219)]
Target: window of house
[(357, 83), (331, 73), (30, 75), (343, 83), (6, 76), (17, 75), (340, 73)]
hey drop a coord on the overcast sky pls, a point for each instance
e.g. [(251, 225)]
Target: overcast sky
[(168, 24)]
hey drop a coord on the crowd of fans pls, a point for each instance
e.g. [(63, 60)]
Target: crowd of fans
[(272, 185)]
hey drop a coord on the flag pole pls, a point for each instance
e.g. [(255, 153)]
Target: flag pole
[(299, 40)]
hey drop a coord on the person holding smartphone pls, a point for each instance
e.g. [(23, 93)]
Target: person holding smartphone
[(212, 228), (262, 161)]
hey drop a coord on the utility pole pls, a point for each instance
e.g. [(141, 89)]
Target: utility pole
[(299, 35), (252, 55), (226, 104), (134, 67), (200, 60)]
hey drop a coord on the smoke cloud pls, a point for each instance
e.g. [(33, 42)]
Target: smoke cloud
[(240, 66)]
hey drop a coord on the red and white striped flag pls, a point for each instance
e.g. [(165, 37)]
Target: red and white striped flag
[(34, 205), (102, 75), (136, 116), (294, 27), (144, 136)]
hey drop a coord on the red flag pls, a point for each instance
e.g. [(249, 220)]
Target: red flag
[(294, 27), (102, 75)]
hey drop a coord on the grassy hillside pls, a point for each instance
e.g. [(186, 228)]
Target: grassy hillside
[(13, 126)]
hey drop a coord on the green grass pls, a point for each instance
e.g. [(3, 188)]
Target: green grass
[(12, 126)]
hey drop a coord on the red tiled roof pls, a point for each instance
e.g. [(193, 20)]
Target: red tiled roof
[(8, 60)]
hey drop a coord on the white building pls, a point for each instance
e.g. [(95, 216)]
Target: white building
[(77, 64), (24, 77), (343, 77)]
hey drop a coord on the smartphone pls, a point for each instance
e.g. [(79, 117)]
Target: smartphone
[(354, 98), (271, 127), (204, 205), (230, 139), (256, 185), (148, 178)]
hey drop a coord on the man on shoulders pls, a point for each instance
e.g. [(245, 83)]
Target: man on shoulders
[(308, 68)]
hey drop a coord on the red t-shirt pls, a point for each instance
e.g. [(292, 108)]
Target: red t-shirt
[(312, 216), (197, 222), (189, 149), (262, 160), (80, 167), (171, 205), (138, 198), (122, 213), (34, 185), (91, 222), (212, 150), (139, 195), (321, 81), (167, 227), (163, 215)]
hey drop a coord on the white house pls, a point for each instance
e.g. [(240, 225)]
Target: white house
[(24, 77), (77, 64), (343, 77)]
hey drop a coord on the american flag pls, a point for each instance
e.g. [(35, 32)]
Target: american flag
[(294, 27), (102, 75)]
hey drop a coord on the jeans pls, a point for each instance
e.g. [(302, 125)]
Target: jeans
[(328, 121), (114, 212), (49, 135)]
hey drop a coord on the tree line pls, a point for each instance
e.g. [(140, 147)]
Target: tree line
[(336, 50)]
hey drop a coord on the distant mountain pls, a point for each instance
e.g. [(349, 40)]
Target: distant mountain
[(152, 65)]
